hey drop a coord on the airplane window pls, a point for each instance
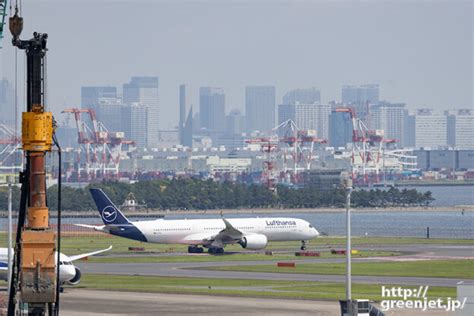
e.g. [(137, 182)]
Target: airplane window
[(310, 226)]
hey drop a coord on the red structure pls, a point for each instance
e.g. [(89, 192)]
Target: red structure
[(100, 150)]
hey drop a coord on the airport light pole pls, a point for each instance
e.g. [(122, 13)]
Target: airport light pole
[(348, 187)]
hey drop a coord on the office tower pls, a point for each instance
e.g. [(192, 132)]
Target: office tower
[(196, 122), (185, 112), (235, 123), (144, 91), (109, 112), (360, 97), (389, 117), (187, 131), (260, 108), (212, 109), (304, 96), (340, 129), (7, 103), (182, 110), (135, 122), (461, 129), (307, 117), (430, 129), (90, 96)]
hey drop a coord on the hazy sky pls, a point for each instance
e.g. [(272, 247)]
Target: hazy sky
[(420, 52)]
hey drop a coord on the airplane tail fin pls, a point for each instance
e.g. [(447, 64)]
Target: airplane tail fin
[(109, 213)]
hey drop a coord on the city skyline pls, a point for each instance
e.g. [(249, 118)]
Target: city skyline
[(234, 55)]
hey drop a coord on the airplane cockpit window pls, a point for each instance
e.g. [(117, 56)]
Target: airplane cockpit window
[(310, 226), (66, 263)]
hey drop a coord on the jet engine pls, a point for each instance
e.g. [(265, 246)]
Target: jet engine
[(76, 279), (254, 242)]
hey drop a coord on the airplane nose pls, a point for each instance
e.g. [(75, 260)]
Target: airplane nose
[(315, 233)]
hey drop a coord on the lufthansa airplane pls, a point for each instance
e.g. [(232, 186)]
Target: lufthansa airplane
[(214, 234), (68, 272)]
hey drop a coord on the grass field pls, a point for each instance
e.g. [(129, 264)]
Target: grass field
[(253, 288), (79, 244), (246, 256), (462, 269)]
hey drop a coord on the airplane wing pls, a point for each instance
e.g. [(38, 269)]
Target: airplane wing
[(230, 231), (229, 235), (77, 257), (94, 227)]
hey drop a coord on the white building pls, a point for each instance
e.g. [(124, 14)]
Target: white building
[(307, 117), (430, 129), (461, 129), (390, 118), (144, 90), (218, 164)]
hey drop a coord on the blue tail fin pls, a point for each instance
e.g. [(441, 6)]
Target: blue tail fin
[(109, 213)]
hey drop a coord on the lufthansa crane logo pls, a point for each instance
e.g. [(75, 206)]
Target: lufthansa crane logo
[(109, 214)]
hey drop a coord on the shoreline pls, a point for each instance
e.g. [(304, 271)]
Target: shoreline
[(161, 213)]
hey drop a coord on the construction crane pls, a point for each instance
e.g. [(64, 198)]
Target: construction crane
[(34, 273)]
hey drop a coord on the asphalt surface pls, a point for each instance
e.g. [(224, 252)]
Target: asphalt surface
[(198, 269), (77, 302), (91, 302)]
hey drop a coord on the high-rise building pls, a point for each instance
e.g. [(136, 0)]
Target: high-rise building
[(7, 102), (340, 129), (185, 111), (307, 117), (144, 91), (304, 96), (182, 110), (212, 109), (430, 129), (389, 117), (360, 97), (109, 112), (260, 108), (90, 96), (187, 131), (235, 123), (461, 129), (134, 123)]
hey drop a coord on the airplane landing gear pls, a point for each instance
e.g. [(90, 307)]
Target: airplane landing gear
[(195, 249), (303, 245), (216, 250)]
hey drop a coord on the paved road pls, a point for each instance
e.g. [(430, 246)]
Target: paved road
[(90, 302), (197, 269), (77, 302), (185, 270)]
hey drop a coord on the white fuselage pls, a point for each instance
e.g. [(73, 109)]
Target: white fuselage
[(188, 231), (67, 269)]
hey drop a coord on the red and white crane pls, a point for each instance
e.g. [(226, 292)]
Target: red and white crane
[(298, 146), (100, 148), (370, 157)]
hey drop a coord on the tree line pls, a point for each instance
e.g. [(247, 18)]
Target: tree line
[(188, 194)]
